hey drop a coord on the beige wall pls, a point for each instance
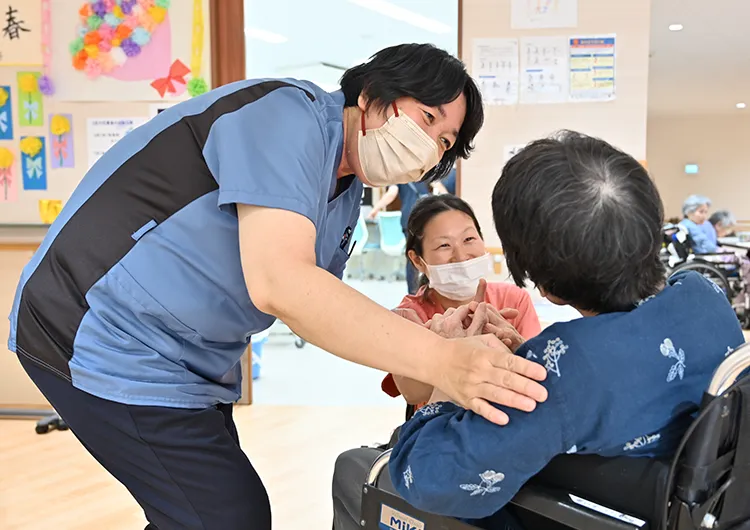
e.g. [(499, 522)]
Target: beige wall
[(16, 389), (719, 144), (622, 121)]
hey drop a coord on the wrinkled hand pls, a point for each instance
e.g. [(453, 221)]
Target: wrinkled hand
[(477, 371), (498, 325), (463, 321)]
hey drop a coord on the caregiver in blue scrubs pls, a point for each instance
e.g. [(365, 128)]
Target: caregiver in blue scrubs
[(199, 229)]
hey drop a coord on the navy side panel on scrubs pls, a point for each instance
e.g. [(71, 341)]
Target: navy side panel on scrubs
[(137, 294)]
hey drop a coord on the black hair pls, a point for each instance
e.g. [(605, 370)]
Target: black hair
[(582, 220), (423, 212), (428, 74)]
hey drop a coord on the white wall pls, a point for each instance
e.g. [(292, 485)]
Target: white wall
[(621, 122), (719, 144)]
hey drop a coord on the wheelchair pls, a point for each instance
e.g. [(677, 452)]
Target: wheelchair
[(677, 255), (706, 485)]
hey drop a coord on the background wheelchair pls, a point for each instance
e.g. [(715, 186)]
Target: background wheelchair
[(677, 255), (705, 486)]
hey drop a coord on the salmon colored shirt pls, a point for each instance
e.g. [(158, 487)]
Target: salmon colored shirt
[(499, 295)]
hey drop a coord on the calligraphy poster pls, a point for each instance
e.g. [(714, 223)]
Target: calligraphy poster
[(6, 114), (30, 101), (34, 169), (21, 33), (103, 133), (61, 141)]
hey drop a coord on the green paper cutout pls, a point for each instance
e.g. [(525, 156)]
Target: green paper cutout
[(30, 105)]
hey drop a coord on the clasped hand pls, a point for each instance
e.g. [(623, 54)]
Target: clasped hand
[(477, 318), (482, 369)]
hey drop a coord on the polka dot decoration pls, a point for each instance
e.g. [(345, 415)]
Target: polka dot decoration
[(111, 31)]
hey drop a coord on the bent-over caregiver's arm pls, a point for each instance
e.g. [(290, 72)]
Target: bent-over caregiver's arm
[(278, 259)]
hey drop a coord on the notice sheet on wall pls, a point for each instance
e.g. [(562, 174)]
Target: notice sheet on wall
[(536, 14), (495, 66), (544, 70), (592, 68), (103, 133)]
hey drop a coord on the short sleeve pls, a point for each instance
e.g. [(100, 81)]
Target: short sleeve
[(271, 153), (506, 295), (388, 385)]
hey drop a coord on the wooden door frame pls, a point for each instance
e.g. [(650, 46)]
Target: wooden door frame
[(227, 19)]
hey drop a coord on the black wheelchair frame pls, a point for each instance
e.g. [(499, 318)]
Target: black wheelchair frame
[(706, 485)]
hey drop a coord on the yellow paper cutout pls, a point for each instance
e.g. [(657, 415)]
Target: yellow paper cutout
[(196, 59), (49, 209)]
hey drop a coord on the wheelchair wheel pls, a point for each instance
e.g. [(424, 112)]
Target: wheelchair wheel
[(709, 271)]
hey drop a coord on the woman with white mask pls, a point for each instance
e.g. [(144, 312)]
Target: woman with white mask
[(444, 242)]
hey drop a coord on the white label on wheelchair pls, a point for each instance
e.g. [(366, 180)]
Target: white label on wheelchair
[(629, 519), (391, 519)]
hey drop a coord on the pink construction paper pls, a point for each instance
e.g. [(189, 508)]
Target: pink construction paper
[(153, 61)]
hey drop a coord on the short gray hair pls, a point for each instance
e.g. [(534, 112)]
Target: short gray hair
[(722, 218), (694, 202)]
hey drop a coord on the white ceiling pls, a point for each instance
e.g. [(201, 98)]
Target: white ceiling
[(340, 33), (705, 68)]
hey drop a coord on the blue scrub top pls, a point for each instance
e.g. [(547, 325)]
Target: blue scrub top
[(137, 293)]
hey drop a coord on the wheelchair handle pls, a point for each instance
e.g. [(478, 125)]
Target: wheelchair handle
[(730, 370), (377, 467)]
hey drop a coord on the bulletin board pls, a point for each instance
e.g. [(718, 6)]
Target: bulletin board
[(76, 75)]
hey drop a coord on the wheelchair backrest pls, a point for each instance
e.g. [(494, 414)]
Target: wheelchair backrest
[(712, 481), (677, 241)]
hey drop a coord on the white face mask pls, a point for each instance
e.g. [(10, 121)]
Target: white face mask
[(459, 281), (399, 152)]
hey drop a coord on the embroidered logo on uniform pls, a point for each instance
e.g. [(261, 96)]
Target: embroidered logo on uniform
[(488, 479), (641, 302), (642, 441), (531, 355), (408, 477), (678, 368), (430, 409), (716, 287), (729, 351), (555, 349)]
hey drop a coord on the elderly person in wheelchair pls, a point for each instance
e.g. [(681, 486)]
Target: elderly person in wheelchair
[(692, 244), (625, 381)]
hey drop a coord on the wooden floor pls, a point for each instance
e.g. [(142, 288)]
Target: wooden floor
[(49, 481)]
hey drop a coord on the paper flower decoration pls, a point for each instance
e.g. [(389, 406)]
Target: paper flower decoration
[(3, 97), (197, 86), (59, 125), (46, 86), (112, 31), (30, 146), (28, 83), (6, 158)]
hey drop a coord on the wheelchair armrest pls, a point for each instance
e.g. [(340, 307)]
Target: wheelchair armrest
[(575, 487), (572, 511)]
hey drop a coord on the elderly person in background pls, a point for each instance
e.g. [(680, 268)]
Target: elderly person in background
[(723, 223), (702, 233)]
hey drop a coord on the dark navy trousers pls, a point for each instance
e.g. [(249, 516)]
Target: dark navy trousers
[(183, 466)]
